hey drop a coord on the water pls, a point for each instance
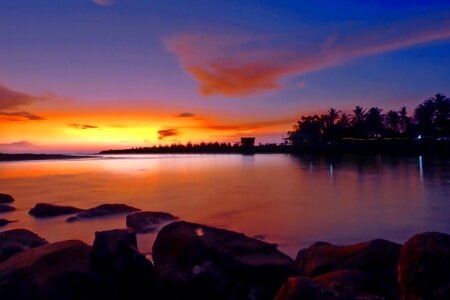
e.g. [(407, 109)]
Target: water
[(291, 201)]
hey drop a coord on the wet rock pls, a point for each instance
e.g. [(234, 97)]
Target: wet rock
[(46, 210), (103, 210), (424, 268), (17, 240), (6, 208), (5, 198), (54, 271), (148, 221), (4, 222), (201, 262), (127, 272), (377, 256)]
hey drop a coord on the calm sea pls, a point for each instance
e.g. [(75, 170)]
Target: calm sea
[(288, 200)]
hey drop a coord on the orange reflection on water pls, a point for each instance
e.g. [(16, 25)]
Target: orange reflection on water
[(288, 200)]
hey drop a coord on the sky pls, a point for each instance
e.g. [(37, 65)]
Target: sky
[(82, 76)]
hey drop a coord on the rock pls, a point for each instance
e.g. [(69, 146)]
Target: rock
[(125, 270), (5, 198), (201, 262), (4, 222), (377, 256), (424, 268), (103, 210), (46, 210), (148, 221), (54, 271), (353, 283), (6, 208), (303, 288), (17, 240)]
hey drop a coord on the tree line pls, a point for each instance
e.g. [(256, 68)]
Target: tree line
[(429, 119)]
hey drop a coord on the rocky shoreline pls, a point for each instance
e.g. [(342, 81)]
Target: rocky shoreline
[(196, 261)]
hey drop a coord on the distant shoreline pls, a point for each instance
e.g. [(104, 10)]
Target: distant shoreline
[(28, 156), (346, 146)]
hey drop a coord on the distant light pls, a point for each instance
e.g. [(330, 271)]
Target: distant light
[(419, 137)]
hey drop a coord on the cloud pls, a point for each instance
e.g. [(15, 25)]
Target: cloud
[(21, 115), (164, 133), (242, 66), (19, 144), (82, 126), (10, 99), (103, 2), (185, 115), (248, 126)]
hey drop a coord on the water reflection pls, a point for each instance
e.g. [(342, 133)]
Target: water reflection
[(290, 200)]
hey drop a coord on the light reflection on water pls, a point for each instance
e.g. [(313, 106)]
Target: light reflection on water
[(292, 201)]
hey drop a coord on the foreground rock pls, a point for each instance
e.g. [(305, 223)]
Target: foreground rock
[(112, 269), (424, 269), (4, 222), (200, 262), (5, 198), (46, 210), (376, 256), (375, 259), (127, 272), (6, 208), (103, 210), (148, 221), (53, 271), (303, 288), (17, 240)]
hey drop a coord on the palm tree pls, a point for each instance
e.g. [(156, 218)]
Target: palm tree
[(374, 122), (333, 115), (358, 115), (392, 121)]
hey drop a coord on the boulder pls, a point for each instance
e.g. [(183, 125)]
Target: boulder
[(116, 258), (353, 283), (4, 222), (6, 208), (200, 262), (17, 240), (424, 268), (303, 288), (148, 221), (5, 198), (54, 271), (378, 256), (103, 210), (46, 210)]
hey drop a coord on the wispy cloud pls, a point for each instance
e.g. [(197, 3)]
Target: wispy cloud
[(164, 133), (21, 115), (240, 66), (103, 2), (19, 144), (10, 99), (185, 115), (248, 126), (82, 126)]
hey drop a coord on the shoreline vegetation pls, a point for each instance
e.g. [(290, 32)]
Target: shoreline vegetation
[(196, 261)]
